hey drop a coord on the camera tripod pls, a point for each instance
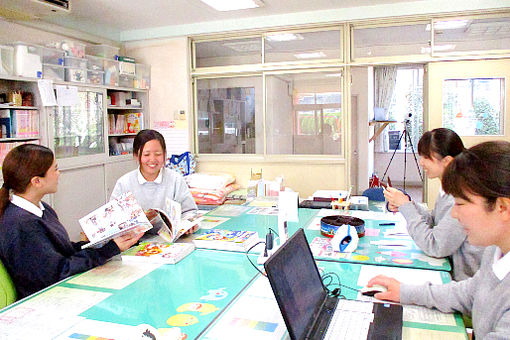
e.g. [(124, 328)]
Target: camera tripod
[(407, 139)]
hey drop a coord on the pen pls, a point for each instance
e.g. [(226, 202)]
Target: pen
[(391, 223)]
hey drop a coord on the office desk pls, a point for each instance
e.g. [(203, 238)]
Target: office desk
[(409, 256), (255, 314), (188, 295)]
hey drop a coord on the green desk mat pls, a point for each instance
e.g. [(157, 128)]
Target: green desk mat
[(210, 278)]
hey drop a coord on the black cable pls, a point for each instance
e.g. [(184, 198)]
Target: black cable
[(247, 253), (337, 291), (271, 229)]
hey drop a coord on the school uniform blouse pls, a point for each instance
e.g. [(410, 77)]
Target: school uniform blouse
[(438, 234), (485, 296), (168, 185), (36, 250)]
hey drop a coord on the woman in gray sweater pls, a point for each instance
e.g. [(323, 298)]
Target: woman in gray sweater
[(436, 232), (479, 179)]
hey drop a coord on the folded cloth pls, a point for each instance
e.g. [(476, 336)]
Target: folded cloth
[(208, 196), (211, 181)]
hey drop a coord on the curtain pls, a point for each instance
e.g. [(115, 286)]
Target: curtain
[(385, 78)]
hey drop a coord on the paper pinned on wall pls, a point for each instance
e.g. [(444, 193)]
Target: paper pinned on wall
[(176, 137), (67, 95), (46, 92)]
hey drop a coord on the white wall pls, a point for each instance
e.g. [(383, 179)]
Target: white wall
[(279, 123)]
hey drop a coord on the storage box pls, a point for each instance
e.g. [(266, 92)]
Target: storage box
[(52, 56), (27, 60), (75, 74), (73, 49), (95, 63), (143, 76), (111, 72), (6, 60), (126, 80), (75, 62), (104, 51), (95, 77), (54, 72)]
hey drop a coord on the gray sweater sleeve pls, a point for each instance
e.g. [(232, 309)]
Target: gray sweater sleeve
[(440, 240), (183, 195), (448, 298)]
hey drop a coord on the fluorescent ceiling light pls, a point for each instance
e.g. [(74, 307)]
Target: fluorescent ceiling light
[(448, 25), (335, 75), (244, 46), (233, 5), (284, 37), (438, 48), (310, 55)]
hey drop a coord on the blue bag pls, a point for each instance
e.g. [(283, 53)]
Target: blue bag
[(184, 164)]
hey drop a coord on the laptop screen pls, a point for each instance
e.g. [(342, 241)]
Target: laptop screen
[(296, 284)]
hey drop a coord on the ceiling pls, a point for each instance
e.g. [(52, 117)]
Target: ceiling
[(114, 19)]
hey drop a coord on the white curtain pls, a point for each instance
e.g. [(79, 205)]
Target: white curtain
[(385, 78)]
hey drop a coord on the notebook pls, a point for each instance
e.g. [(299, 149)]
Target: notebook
[(305, 304)]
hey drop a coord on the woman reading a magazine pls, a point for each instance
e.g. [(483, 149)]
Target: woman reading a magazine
[(34, 246), (152, 184)]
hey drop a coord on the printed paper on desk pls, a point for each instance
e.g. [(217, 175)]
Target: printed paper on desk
[(288, 206), (404, 275)]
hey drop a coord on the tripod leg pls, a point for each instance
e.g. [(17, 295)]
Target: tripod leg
[(414, 155), (393, 155)]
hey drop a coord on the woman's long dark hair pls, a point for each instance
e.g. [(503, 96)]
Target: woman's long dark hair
[(442, 141), (145, 136), (482, 170), (20, 165)]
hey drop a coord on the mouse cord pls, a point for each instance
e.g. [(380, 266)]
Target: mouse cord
[(247, 253), (328, 279)]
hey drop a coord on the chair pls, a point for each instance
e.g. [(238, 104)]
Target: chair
[(374, 194), (7, 289)]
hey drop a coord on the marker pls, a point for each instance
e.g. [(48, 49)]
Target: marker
[(391, 223)]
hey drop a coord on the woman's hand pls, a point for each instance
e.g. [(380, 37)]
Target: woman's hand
[(393, 286), (395, 198), (125, 241)]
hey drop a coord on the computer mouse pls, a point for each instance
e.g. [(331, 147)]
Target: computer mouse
[(372, 290)]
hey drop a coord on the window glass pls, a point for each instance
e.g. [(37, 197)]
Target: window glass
[(304, 113), (229, 52), (302, 46), (474, 106), (390, 41), (472, 35), (78, 129), (229, 115)]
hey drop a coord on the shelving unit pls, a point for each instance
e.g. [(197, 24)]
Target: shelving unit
[(125, 121)]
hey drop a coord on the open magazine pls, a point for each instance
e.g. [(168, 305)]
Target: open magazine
[(114, 219), (170, 223)]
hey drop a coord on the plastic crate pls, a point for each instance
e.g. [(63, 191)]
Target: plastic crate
[(95, 77), (52, 56), (54, 72), (6, 60), (143, 76), (75, 62), (27, 60), (111, 72), (76, 74), (104, 51), (126, 80), (95, 63)]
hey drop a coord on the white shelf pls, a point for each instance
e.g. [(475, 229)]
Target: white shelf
[(3, 106), (111, 107), (122, 134), (16, 139)]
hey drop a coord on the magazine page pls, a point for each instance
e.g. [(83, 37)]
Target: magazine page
[(114, 219)]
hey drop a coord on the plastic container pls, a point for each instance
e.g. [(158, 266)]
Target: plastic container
[(74, 49), (6, 60), (75, 62), (104, 51), (143, 76), (95, 63), (111, 72), (126, 80), (52, 56), (27, 60), (54, 72), (95, 77), (76, 74)]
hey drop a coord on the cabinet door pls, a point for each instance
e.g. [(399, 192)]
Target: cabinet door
[(78, 130)]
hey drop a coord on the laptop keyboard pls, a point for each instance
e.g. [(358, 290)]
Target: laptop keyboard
[(351, 320)]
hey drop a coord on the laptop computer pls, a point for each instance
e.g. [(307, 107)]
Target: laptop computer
[(305, 304)]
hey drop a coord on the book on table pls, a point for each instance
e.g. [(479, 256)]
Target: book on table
[(158, 252), (114, 219), (235, 240)]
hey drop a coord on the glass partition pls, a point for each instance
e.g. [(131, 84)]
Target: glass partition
[(79, 129)]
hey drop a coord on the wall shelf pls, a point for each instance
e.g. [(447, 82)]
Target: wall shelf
[(379, 129)]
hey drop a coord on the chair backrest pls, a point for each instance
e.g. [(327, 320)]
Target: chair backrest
[(374, 194), (7, 289)]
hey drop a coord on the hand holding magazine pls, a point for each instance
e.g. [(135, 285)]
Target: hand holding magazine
[(114, 219), (169, 223)]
